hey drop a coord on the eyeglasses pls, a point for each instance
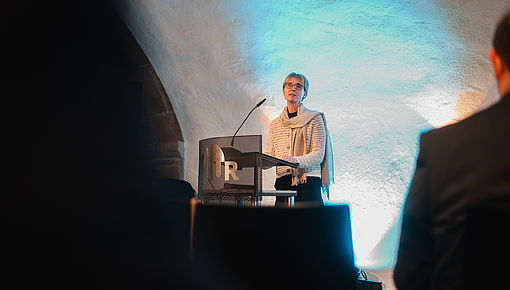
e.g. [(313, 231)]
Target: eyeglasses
[(298, 86)]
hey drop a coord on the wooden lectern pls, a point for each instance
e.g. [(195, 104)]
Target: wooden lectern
[(231, 172)]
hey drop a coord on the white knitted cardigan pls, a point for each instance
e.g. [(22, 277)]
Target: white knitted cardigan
[(279, 140)]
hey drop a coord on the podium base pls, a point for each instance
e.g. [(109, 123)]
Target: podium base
[(248, 200)]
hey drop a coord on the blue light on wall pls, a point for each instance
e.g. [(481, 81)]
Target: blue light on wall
[(382, 71), (365, 61)]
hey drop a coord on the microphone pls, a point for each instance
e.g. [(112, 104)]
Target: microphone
[(258, 105)]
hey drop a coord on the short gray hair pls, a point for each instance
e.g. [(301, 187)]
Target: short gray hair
[(306, 84)]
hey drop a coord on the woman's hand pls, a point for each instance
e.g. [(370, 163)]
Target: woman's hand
[(290, 159)]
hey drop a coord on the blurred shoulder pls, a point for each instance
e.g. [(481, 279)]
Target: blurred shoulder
[(489, 124), (492, 118)]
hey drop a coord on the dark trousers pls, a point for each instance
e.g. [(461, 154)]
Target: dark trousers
[(306, 192)]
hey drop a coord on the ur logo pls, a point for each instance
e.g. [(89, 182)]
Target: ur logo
[(216, 164)]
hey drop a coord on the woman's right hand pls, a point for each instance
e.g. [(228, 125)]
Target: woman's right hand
[(290, 159)]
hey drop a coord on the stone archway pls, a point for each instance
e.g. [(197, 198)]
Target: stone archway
[(163, 136)]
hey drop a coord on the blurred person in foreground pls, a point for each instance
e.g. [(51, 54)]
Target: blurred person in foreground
[(460, 167)]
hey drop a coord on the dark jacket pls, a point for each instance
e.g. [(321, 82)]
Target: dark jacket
[(459, 167)]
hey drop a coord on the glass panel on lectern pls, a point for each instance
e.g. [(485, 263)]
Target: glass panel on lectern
[(229, 172)]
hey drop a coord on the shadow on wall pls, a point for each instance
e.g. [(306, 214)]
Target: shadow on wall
[(83, 213), (165, 143)]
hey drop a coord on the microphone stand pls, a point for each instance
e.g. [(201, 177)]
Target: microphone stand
[(258, 105)]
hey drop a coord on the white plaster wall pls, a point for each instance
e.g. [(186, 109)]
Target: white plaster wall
[(382, 71), (197, 57)]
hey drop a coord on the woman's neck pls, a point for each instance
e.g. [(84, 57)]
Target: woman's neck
[(293, 107)]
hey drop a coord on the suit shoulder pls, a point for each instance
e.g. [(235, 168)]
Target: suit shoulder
[(479, 126)]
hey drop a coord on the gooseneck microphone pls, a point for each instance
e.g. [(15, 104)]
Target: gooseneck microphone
[(258, 105)]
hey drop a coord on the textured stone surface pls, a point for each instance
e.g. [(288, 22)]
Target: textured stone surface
[(382, 71)]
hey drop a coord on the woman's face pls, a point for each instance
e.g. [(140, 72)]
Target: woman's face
[(293, 94)]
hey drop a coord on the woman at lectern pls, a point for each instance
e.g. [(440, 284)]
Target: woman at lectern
[(300, 135)]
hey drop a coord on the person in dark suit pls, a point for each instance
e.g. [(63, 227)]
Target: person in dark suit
[(459, 167)]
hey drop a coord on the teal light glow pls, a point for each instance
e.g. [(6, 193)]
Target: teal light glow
[(366, 61)]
